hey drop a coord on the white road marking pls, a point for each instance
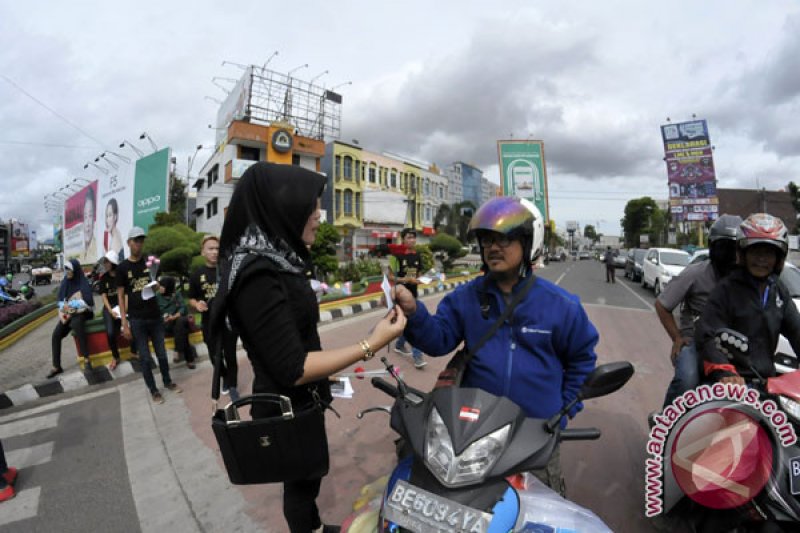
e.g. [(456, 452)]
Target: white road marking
[(645, 302), (621, 308), (38, 454), (23, 506), (558, 281), (55, 405), (28, 425)]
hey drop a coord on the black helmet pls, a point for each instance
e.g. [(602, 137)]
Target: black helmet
[(725, 227)]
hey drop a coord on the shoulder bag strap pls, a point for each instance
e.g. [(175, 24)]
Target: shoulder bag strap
[(503, 317)]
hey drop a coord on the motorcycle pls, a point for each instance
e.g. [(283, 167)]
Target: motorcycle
[(466, 460), (756, 435)]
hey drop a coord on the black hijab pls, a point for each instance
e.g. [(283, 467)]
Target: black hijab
[(168, 283), (266, 217), (78, 282)]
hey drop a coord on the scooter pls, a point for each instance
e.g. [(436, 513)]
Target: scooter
[(773, 406), (466, 462)]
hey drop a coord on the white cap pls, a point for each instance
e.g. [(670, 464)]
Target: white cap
[(112, 256)]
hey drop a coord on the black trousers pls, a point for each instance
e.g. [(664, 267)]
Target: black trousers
[(300, 505), (113, 326), (230, 367), (179, 329), (76, 323), (610, 273)]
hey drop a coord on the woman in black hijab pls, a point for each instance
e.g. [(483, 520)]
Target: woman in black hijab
[(265, 295), (75, 307)]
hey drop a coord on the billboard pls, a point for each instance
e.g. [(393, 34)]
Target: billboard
[(235, 107), (523, 172), (690, 171), (80, 217), (151, 187), (98, 217), (19, 239), (57, 236)]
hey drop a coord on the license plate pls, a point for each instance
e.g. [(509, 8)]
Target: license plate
[(419, 510), (794, 475)]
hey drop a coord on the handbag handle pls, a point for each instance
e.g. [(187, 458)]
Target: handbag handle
[(232, 409)]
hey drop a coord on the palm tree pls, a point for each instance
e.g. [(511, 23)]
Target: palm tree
[(454, 220)]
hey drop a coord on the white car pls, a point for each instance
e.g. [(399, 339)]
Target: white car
[(660, 265), (785, 358)]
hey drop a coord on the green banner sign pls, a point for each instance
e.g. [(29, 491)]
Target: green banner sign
[(522, 172), (151, 188)]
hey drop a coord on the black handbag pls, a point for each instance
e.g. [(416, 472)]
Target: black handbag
[(290, 446)]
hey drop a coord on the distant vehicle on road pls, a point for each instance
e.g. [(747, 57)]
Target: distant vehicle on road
[(584, 255), (661, 265), (634, 260), (620, 259), (42, 275), (26, 269)]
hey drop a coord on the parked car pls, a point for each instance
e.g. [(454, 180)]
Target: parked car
[(785, 358), (661, 265), (633, 263), (699, 256), (620, 259), (26, 269)]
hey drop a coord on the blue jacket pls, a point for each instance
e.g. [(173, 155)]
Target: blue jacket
[(539, 358)]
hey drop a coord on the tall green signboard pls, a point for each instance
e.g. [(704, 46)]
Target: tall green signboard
[(523, 172), (151, 187)]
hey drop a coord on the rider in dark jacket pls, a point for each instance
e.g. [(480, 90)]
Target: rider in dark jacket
[(751, 301)]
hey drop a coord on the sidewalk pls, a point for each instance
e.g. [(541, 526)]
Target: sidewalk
[(24, 364)]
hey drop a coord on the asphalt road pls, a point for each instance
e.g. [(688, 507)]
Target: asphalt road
[(91, 472)]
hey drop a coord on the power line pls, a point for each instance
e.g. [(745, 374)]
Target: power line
[(53, 111)]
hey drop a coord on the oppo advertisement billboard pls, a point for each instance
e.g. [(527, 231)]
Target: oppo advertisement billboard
[(523, 173), (98, 217)]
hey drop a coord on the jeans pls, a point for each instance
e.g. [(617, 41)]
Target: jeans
[(76, 323), (113, 326), (179, 329), (152, 330), (401, 344), (687, 373)]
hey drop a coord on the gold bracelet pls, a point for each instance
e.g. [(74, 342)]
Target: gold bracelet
[(365, 347)]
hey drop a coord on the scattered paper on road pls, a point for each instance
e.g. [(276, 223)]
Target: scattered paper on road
[(341, 388), (425, 280)]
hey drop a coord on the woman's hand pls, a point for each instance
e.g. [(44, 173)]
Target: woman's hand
[(736, 380), (390, 327)]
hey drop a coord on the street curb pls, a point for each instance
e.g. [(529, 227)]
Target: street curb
[(375, 302), (72, 381)]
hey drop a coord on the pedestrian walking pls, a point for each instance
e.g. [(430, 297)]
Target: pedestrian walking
[(405, 268), (141, 317), (265, 295), (75, 307), (8, 476), (202, 290), (176, 320), (608, 259)]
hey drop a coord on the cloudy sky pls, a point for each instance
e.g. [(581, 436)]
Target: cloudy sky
[(438, 81)]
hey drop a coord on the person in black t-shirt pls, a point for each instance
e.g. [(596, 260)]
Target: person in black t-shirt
[(140, 314), (108, 292), (404, 269), (202, 289)]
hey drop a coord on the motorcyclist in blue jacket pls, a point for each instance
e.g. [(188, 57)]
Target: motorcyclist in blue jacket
[(543, 353)]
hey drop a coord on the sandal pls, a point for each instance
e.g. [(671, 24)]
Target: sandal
[(53, 373), (113, 364)]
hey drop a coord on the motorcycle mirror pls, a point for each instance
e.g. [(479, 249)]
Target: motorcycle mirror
[(606, 379)]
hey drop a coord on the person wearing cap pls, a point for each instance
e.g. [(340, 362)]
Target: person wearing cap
[(541, 355), (140, 315), (405, 268), (108, 292), (75, 307)]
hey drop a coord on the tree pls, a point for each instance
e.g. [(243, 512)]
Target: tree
[(323, 251), (177, 197), (590, 233), (641, 217), (454, 220), (794, 192), (447, 249)]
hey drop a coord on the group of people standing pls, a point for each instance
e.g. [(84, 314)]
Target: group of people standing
[(143, 312)]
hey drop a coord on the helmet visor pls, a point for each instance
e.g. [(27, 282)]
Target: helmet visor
[(501, 216)]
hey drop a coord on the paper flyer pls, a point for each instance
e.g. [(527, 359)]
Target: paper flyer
[(387, 292)]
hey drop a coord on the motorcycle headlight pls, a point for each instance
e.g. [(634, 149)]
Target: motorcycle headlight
[(474, 462), (791, 407)]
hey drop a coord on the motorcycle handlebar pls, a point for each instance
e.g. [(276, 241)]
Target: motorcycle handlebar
[(580, 434), (385, 386)]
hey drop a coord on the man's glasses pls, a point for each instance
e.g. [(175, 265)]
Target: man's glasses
[(488, 239)]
